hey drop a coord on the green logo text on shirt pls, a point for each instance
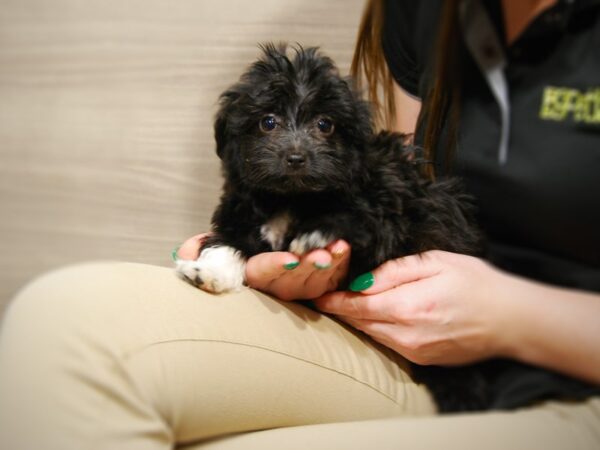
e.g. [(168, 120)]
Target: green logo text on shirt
[(559, 103)]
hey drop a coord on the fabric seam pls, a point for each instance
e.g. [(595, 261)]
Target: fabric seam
[(221, 341)]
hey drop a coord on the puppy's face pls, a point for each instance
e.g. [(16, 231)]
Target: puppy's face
[(292, 125)]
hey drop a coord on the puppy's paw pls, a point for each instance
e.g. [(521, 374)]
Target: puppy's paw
[(217, 270), (310, 241)]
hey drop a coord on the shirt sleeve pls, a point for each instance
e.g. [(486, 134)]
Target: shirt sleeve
[(407, 37), (397, 40)]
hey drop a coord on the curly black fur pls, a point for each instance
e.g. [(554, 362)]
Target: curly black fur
[(347, 182)]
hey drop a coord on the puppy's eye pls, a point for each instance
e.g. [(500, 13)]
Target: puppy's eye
[(267, 123), (325, 126)]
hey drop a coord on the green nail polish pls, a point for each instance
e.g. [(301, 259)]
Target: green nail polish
[(322, 266), (292, 265), (174, 253), (363, 282)]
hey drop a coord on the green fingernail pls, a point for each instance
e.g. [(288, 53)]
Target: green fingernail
[(292, 265), (321, 266), (174, 253), (365, 281)]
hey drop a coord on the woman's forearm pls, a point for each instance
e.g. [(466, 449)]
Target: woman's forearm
[(554, 328)]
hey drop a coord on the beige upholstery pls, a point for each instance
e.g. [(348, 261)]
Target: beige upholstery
[(106, 147)]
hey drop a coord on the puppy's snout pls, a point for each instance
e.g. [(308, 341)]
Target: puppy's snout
[(296, 160)]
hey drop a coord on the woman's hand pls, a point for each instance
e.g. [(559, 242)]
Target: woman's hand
[(290, 277), (190, 249), (286, 275), (436, 308), (445, 309)]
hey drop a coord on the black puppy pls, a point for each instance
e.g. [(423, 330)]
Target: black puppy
[(303, 167)]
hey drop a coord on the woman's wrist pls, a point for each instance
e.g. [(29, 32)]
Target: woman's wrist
[(518, 306), (516, 301), (504, 313), (549, 326)]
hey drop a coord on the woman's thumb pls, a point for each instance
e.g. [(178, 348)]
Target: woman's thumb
[(395, 272)]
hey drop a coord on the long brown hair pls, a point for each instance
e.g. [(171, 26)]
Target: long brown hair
[(368, 64), (440, 103)]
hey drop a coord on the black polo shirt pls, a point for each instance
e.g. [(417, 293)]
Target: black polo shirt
[(528, 146), (540, 205)]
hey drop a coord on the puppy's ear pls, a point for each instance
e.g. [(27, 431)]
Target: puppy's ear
[(226, 101), (359, 122), (220, 133)]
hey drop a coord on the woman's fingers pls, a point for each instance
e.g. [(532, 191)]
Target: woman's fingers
[(297, 283), (397, 272), (190, 249), (358, 306), (380, 330), (263, 268), (290, 277), (328, 277)]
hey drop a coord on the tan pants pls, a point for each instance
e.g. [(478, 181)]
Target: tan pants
[(126, 356)]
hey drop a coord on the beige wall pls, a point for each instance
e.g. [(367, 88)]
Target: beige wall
[(106, 106)]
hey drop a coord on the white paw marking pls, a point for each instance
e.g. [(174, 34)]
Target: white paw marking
[(275, 229), (217, 270), (310, 241)]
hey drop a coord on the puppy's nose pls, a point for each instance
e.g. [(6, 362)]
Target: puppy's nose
[(295, 160)]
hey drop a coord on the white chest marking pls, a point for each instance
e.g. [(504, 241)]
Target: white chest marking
[(275, 229)]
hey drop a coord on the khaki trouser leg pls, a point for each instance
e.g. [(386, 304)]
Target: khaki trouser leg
[(127, 356), (551, 426)]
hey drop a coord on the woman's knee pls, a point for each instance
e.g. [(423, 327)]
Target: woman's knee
[(96, 301), (66, 294), (61, 347)]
